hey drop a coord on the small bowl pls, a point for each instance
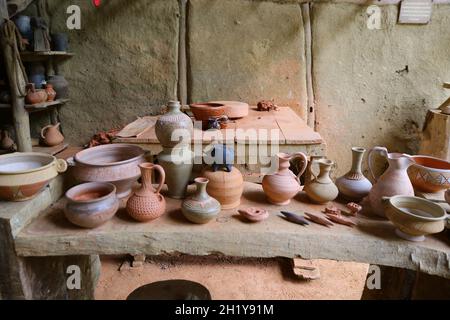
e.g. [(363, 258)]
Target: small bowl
[(90, 205), (429, 174), (415, 217), (204, 111)]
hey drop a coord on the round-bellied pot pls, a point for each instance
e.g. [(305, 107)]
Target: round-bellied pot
[(226, 187), (235, 109), (60, 85), (429, 174), (174, 121), (415, 217), (114, 163), (25, 175), (91, 205), (201, 208), (60, 41), (204, 111)]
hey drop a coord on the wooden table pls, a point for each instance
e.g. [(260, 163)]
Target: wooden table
[(290, 134)]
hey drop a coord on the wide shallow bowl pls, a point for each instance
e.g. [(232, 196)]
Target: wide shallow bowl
[(430, 174), (235, 109), (24, 175), (204, 111), (415, 217), (90, 205), (114, 163)]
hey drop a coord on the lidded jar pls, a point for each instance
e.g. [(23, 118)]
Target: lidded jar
[(174, 127)]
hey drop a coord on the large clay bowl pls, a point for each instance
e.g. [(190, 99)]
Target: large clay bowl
[(90, 205), (114, 163), (429, 174), (24, 175), (235, 109), (415, 217), (204, 111)]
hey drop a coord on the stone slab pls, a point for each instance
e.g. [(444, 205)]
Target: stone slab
[(246, 51), (373, 241)]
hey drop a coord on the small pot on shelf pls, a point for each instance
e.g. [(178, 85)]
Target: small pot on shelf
[(35, 96)]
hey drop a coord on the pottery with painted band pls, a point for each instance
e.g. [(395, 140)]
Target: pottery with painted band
[(201, 208), (429, 174), (24, 175), (91, 205)]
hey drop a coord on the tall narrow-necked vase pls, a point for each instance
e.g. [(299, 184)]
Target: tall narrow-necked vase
[(354, 186), (321, 188), (174, 128), (394, 182)]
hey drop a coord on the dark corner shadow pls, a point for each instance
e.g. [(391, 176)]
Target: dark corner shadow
[(255, 196), (59, 219), (177, 216)]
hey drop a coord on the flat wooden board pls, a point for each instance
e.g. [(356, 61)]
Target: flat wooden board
[(287, 128), (137, 128), (51, 150), (372, 241)]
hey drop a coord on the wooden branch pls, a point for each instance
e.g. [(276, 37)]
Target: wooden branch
[(17, 6), (308, 54), (3, 12)]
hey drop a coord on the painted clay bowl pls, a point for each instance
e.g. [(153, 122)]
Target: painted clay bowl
[(235, 109), (114, 163), (90, 205), (24, 175), (204, 111), (415, 217), (429, 174)]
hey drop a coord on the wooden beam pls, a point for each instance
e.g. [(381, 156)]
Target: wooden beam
[(3, 12), (17, 6)]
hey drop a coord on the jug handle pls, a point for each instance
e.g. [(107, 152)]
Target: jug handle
[(304, 158), (381, 150), (162, 175), (44, 129)]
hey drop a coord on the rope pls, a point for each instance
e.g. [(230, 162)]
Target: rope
[(12, 38)]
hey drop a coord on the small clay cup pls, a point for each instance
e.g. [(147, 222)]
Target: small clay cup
[(90, 205)]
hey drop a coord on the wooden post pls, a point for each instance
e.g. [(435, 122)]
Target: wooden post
[(311, 119), (20, 115), (182, 70)]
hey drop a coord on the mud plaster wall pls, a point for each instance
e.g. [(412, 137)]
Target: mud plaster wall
[(127, 55)]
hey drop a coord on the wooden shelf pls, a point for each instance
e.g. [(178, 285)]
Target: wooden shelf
[(51, 150), (39, 106), (33, 56)]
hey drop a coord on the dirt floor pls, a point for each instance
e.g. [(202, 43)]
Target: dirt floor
[(233, 279)]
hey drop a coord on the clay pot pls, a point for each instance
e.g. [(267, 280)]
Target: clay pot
[(91, 205), (60, 85), (177, 163), (6, 143), (415, 217), (201, 208), (148, 204), (393, 182), (174, 121), (23, 24), (354, 186), (235, 109), (51, 136), (217, 123), (35, 96), (24, 175), (429, 174), (114, 163), (284, 185), (226, 187), (60, 41), (51, 93), (204, 111), (38, 80), (321, 189)]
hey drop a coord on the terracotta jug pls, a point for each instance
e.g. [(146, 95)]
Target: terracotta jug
[(394, 182), (35, 96), (284, 185), (51, 136), (354, 186), (147, 204), (320, 188), (6, 143), (51, 93), (201, 207)]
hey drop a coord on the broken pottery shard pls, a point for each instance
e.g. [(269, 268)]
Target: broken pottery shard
[(333, 210), (295, 218), (318, 220), (341, 220), (354, 208)]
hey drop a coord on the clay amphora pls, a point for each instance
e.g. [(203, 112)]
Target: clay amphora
[(51, 93), (321, 189), (177, 163), (147, 204), (201, 208), (174, 128), (284, 185), (34, 95), (394, 182), (51, 136), (354, 186)]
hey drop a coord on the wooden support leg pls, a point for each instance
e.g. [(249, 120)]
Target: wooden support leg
[(305, 269), (138, 261)]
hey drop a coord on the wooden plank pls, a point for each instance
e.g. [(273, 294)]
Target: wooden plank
[(294, 129), (51, 150), (45, 105), (137, 128), (372, 241), (436, 135)]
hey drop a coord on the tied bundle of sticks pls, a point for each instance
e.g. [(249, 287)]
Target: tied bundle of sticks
[(103, 137)]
